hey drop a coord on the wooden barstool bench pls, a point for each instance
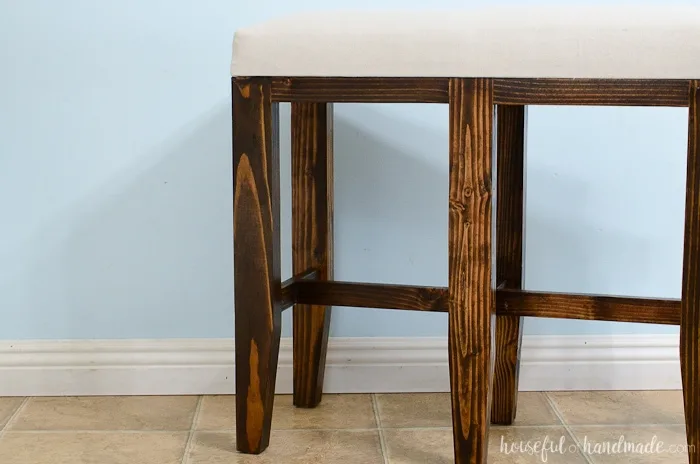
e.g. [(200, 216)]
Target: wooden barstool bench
[(487, 65)]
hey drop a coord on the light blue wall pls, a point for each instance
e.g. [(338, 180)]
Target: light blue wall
[(115, 182)]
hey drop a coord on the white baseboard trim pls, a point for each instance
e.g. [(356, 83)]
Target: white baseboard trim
[(354, 365)]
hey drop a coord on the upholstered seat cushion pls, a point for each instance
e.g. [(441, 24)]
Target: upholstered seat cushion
[(525, 41)]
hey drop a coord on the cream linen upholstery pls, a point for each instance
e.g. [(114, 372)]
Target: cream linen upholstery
[(524, 41)]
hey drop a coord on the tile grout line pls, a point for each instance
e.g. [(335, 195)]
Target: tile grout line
[(301, 429), (14, 416), (571, 433), (378, 421), (229, 431), (324, 429), (533, 426), (190, 436), (99, 431), (623, 425)]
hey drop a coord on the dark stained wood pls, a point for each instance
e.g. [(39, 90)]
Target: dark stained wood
[(588, 307), (615, 92), (359, 90), (602, 92), (471, 298), (690, 300), (511, 130), (258, 286), (510, 302), (312, 241), (289, 295), (365, 295)]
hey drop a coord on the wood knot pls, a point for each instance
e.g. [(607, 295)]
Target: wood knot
[(457, 206), (485, 187), (319, 253), (243, 89)]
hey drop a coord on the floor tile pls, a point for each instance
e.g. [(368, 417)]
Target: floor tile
[(334, 412), (620, 407), (529, 445), (218, 412), (534, 409), (292, 447), (92, 448), (107, 413), (414, 410), (434, 446), (418, 446), (434, 410), (8, 406), (653, 445)]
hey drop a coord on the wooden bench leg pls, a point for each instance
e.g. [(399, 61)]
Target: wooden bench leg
[(511, 128), (256, 229), (690, 303), (312, 240), (471, 295)]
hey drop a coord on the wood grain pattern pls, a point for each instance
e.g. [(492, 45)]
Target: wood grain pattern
[(509, 302), (289, 290), (690, 300), (471, 298), (602, 92), (287, 295), (588, 307), (359, 90), (366, 295), (312, 241), (510, 150), (615, 92), (258, 286)]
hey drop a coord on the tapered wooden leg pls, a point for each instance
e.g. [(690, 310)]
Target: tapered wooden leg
[(511, 129), (257, 278), (312, 240), (690, 303), (471, 294)]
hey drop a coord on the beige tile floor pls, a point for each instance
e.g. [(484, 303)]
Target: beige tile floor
[(347, 429)]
